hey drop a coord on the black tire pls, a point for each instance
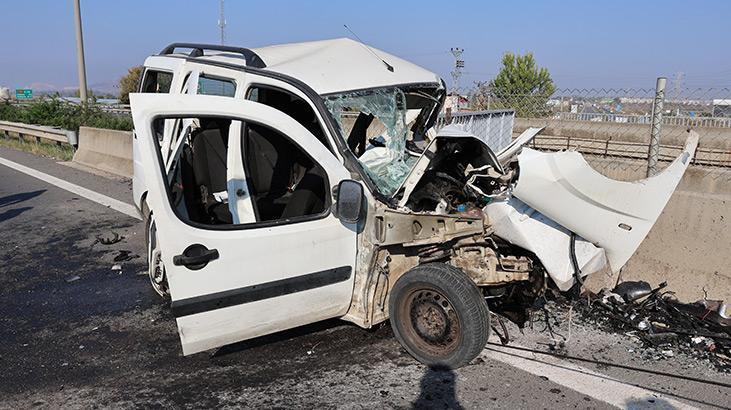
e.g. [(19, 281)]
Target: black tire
[(439, 315), (155, 272), (145, 211)]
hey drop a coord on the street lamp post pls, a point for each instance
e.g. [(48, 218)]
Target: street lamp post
[(80, 53)]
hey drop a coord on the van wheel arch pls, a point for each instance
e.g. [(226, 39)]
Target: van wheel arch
[(155, 267)]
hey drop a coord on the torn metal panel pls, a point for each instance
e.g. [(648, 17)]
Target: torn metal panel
[(486, 267), (393, 227), (523, 226), (508, 153), (613, 215)]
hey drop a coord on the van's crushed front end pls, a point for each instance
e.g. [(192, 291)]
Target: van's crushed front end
[(518, 216)]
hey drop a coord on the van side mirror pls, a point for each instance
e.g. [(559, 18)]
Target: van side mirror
[(349, 202)]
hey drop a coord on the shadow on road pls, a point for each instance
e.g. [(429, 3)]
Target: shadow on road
[(437, 390), (649, 403), (12, 213), (278, 337), (18, 198)]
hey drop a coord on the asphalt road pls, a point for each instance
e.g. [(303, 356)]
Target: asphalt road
[(76, 333)]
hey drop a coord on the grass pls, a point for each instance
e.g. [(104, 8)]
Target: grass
[(61, 152), (59, 113)]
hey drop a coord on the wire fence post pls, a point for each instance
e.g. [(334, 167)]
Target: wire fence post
[(657, 104)]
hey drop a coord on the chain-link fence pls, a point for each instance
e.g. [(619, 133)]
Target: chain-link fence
[(612, 127)]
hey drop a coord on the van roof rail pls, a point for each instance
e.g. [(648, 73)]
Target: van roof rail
[(197, 50)]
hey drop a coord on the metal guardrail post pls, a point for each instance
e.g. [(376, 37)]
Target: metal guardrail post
[(654, 149)]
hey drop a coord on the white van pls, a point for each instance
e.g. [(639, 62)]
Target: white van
[(295, 183)]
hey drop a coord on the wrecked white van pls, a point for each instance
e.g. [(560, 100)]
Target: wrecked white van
[(295, 183)]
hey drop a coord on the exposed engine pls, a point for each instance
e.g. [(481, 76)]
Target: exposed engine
[(462, 174)]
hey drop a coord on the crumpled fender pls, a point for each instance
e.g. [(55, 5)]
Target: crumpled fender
[(521, 225), (613, 215)]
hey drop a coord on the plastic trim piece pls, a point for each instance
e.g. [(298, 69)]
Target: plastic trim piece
[(253, 293)]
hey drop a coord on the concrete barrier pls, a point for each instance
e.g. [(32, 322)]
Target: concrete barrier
[(690, 245), (105, 150), (710, 137)]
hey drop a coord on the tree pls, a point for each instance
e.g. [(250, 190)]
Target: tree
[(129, 83), (520, 85)]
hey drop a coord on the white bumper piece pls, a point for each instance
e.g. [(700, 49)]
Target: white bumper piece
[(521, 225), (613, 215)]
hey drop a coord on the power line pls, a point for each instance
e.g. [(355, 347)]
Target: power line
[(458, 66)]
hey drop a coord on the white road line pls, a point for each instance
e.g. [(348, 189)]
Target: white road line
[(120, 206), (599, 386)]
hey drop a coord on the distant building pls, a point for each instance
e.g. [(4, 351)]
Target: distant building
[(456, 102), (721, 108)]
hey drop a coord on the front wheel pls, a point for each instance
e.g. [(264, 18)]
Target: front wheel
[(439, 315)]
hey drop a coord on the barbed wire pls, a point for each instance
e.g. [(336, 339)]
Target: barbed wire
[(612, 126)]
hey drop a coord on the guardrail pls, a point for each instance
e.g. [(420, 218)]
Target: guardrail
[(58, 135), (716, 122), (117, 109), (629, 150)]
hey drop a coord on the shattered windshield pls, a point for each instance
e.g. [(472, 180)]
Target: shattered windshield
[(377, 124)]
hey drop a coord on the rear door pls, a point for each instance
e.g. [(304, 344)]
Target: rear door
[(241, 280)]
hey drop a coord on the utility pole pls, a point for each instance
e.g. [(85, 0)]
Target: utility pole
[(81, 65), (457, 72), (655, 128), (677, 90), (678, 84), (222, 24)]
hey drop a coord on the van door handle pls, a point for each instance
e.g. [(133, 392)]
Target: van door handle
[(195, 257)]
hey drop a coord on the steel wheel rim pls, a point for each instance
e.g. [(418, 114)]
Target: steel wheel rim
[(431, 322)]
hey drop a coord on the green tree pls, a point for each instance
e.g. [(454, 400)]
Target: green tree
[(520, 85), (129, 83)]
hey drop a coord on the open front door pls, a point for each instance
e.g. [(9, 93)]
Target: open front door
[(289, 261)]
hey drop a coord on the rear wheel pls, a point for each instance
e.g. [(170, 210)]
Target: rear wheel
[(439, 315), (155, 267)]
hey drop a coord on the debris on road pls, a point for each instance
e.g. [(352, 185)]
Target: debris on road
[(117, 267), (124, 256), (73, 278), (109, 240), (631, 291), (312, 350), (663, 323), (662, 326)]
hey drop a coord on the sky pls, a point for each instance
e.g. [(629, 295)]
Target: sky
[(584, 44)]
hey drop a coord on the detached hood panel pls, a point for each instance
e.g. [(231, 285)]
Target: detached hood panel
[(613, 215)]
